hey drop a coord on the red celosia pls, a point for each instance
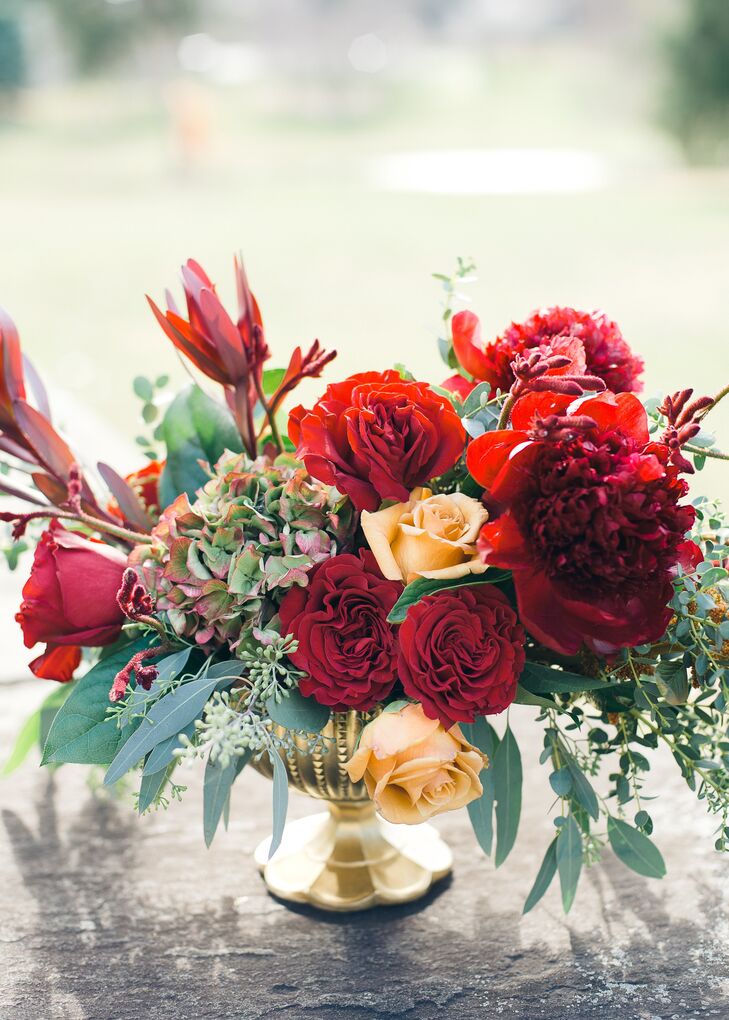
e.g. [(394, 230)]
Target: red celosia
[(590, 521), (376, 435), (607, 354)]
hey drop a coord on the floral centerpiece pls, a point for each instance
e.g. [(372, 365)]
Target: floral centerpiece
[(345, 596)]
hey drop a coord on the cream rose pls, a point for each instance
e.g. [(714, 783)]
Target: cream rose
[(414, 768), (429, 536)]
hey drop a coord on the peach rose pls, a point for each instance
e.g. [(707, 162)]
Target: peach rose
[(429, 536), (414, 768)]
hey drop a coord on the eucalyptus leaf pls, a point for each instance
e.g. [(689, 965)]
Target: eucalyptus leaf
[(569, 860), (481, 811), (295, 712), (216, 791), (582, 789), (561, 782), (635, 849), (151, 785), (544, 877), (507, 791), (540, 679), (280, 802), (165, 719), (162, 754)]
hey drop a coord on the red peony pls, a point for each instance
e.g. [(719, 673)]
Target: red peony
[(591, 523), (607, 354), (461, 653), (69, 600), (346, 646), (376, 436)]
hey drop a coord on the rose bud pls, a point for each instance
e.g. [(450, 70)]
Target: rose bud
[(69, 600), (414, 768), (429, 536)]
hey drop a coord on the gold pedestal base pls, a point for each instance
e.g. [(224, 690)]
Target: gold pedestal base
[(347, 858)]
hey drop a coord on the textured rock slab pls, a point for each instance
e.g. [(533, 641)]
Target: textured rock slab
[(104, 916)]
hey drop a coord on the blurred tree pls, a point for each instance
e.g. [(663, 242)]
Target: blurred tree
[(100, 32), (12, 57), (697, 101)]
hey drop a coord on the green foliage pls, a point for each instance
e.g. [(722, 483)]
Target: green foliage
[(280, 802), (195, 428), (635, 849), (546, 873), (481, 812), (423, 586), (569, 860), (36, 727), (219, 779), (464, 273), (82, 733), (12, 55), (295, 712), (507, 792)]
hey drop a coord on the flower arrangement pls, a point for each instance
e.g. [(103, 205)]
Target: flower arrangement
[(423, 555)]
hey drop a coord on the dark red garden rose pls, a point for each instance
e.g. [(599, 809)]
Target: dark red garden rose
[(591, 524), (461, 653), (69, 600), (346, 646), (376, 436), (607, 355)]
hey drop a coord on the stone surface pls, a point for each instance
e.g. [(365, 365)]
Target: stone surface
[(104, 916)]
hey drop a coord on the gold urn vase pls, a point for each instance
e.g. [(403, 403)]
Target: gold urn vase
[(347, 857)]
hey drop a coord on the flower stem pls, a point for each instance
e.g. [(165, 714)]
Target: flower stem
[(506, 411), (706, 452), (270, 415), (719, 396)]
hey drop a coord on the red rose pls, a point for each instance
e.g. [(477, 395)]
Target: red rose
[(607, 354), (461, 653), (69, 600), (346, 646), (591, 523), (376, 436)]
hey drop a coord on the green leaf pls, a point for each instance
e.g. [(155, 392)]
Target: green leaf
[(507, 791), (143, 388), (477, 398), (544, 877), (296, 712), (161, 755), (582, 789), (396, 706), (635, 849), (569, 860), (540, 679), (673, 682), (150, 788), (561, 782), (280, 802), (417, 590), (481, 812), (165, 719), (49, 710), (272, 379), (26, 739), (525, 697), (195, 428), (82, 733), (216, 791)]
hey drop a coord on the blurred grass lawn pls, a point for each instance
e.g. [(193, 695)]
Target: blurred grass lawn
[(95, 211)]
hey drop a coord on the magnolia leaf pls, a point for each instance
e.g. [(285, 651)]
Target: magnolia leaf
[(295, 712), (569, 860), (540, 679), (195, 428), (82, 733), (544, 877), (481, 812), (635, 849), (280, 802), (507, 791), (417, 590)]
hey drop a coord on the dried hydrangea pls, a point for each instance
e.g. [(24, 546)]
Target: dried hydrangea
[(220, 565)]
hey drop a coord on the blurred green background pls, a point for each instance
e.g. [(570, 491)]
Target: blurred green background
[(574, 148)]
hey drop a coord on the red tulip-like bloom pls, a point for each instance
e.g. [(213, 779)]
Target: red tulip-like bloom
[(375, 436), (347, 648), (607, 355), (591, 523), (461, 653), (69, 600)]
